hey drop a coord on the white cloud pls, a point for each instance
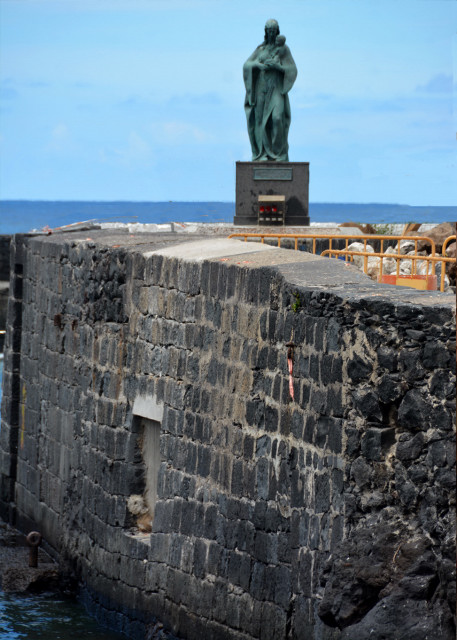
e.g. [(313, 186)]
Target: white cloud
[(8, 89), (176, 132), (136, 151), (60, 138), (439, 83)]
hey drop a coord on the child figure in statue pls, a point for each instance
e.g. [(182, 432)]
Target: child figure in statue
[(279, 42)]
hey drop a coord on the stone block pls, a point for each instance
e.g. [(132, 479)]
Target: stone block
[(200, 558), (162, 516), (262, 478), (314, 532), (410, 448), (296, 490), (335, 435), (322, 492), (375, 442), (256, 588), (273, 622), (435, 355), (271, 419)]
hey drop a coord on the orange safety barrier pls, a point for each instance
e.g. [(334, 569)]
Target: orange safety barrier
[(330, 237), (431, 259), (367, 254), (425, 283)]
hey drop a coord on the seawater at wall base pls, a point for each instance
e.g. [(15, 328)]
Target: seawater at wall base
[(286, 424)]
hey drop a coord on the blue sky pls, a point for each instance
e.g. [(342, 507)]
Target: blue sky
[(143, 99)]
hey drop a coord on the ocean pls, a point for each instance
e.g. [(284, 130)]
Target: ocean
[(21, 216), (48, 617)]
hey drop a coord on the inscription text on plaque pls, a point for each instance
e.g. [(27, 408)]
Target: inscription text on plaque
[(272, 173)]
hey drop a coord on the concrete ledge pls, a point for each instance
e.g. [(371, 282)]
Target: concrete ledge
[(148, 407), (207, 249)]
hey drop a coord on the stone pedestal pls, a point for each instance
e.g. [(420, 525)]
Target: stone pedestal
[(290, 179)]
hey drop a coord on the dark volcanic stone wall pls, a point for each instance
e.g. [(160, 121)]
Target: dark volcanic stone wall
[(4, 278), (326, 516), (5, 257), (394, 574)]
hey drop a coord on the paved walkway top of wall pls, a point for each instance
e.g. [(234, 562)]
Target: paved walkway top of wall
[(297, 267)]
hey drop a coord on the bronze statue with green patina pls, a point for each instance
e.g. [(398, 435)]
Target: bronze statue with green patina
[(269, 74)]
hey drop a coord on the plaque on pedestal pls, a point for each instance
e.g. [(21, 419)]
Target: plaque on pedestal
[(288, 179)]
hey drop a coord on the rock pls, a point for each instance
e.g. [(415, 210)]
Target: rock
[(376, 442), (359, 369), (411, 449), (406, 490), (403, 619), (418, 473), (450, 250), (389, 265), (20, 579), (436, 356), (359, 246), (438, 266), (424, 267), (364, 228), (438, 234), (406, 267), (356, 573), (419, 587), (373, 267), (360, 472), (352, 441), (446, 574), (368, 405), (373, 500), (415, 334), (451, 267), (412, 413), (442, 384), (411, 364), (411, 229), (406, 246), (411, 551), (382, 583), (452, 272), (387, 358), (389, 389), (418, 265)]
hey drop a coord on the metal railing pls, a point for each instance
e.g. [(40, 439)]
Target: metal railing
[(430, 259)]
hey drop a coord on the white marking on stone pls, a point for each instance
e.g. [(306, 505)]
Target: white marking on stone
[(211, 248), (148, 407)]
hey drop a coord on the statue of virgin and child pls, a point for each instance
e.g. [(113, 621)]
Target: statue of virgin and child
[(269, 74)]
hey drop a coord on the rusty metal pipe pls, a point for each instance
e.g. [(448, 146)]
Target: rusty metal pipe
[(33, 540)]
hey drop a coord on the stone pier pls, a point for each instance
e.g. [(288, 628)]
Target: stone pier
[(232, 440)]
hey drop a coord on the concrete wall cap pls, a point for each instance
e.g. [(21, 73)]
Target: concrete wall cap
[(211, 248), (148, 407)]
